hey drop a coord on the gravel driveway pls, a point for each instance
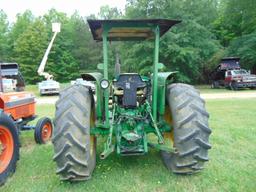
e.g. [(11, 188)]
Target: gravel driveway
[(231, 95)]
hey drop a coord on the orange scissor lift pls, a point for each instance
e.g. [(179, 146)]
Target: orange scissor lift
[(17, 109)]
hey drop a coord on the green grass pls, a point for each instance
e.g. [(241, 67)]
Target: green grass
[(231, 167), (34, 88)]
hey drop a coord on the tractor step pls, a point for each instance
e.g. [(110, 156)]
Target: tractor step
[(161, 147), (132, 153), (107, 152)]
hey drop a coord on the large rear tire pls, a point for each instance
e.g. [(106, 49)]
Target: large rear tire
[(9, 147), (74, 148), (190, 130)]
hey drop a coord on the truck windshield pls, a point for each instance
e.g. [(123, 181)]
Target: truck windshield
[(237, 72), (7, 81)]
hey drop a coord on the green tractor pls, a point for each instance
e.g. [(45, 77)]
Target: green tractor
[(128, 108)]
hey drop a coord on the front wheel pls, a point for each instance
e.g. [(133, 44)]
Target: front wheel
[(233, 86), (215, 85), (9, 147), (190, 134), (43, 130)]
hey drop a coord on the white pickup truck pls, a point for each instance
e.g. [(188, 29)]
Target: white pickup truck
[(49, 87)]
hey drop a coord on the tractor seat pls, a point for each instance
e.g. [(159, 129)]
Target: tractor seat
[(129, 83)]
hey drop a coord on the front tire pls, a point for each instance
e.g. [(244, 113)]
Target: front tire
[(43, 130), (9, 147), (233, 86), (215, 85), (74, 148), (190, 130)]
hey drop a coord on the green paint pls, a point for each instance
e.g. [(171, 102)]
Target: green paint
[(130, 126), (96, 77), (155, 71), (160, 138), (109, 147), (163, 79), (105, 74), (166, 148)]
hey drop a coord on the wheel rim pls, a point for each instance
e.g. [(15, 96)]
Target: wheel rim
[(46, 132), (6, 148), (231, 86), (92, 144), (92, 137)]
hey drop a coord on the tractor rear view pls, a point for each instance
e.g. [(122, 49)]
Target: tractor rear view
[(126, 109)]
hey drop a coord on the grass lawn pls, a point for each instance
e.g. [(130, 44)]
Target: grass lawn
[(232, 165)]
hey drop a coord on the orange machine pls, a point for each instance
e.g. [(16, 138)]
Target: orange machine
[(18, 104), (17, 109)]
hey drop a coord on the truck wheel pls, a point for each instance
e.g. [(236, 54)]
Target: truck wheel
[(43, 130), (9, 147), (74, 148), (215, 85), (190, 130), (233, 86)]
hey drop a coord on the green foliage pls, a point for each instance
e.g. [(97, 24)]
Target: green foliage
[(245, 48), (187, 48), (210, 30), (236, 18), (3, 36), (17, 29), (236, 29), (107, 12), (29, 49)]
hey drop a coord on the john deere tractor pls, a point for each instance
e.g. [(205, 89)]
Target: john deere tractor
[(133, 112)]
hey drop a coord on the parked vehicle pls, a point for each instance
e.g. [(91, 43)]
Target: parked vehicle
[(239, 78), (128, 108), (229, 74), (12, 79), (9, 85), (17, 109), (48, 86)]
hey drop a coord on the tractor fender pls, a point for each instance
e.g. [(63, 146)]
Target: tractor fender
[(96, 77), (162, 78)]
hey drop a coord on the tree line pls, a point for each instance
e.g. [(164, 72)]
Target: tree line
[(210, 30)]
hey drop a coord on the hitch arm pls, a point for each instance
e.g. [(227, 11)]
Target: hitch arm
[(159, 135), (109, 147)]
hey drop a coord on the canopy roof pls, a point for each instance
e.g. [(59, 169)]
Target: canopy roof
[(11, 70), (125, 30), (230, 58)]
